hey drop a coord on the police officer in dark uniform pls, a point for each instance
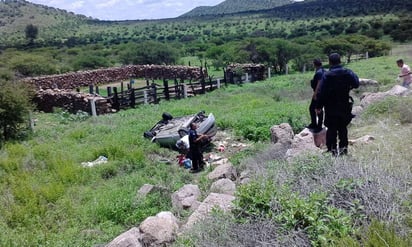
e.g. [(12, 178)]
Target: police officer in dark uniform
[(195, 152), (333, 96), (316, 119)]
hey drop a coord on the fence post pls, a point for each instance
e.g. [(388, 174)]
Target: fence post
[(185, 91), (91, 89), (210, 84), (109, 91), (231, 77), (145, 97), (132, 98), (93, 106), (246, 77), (116, 104), (97, 90), (218, 83), (269, 73), (177, 89), (154, 93), (166, 89)]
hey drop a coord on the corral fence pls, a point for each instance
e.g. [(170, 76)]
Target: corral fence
[(128, 96), (153, 93)]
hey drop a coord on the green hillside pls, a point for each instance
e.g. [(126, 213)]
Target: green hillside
[(16, 15), (59, 27), (235, 6)]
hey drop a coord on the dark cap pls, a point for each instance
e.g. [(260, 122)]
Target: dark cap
[(317, 62), (334, 58)]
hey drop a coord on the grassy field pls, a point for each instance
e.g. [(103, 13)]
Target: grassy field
[(49, 199)]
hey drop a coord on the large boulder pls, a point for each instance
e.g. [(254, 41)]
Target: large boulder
[(303, 143), (159, 230), (223, 186), (369, 98), (282, 134), (223, 171), (214, 200), (186, 197), (131, 238)]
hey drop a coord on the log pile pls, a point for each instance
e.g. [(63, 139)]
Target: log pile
[(103, 76), (257, 71)]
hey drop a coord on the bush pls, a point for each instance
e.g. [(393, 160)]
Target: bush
[(85, 62), (31, 65), (14, 110)]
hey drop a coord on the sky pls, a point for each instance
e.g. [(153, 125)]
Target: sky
[(127, 9)]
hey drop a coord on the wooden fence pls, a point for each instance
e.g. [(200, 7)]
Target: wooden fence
[(153, 93)]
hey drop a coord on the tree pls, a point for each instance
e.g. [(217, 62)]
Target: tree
[(149, 52), (14, 110), (31, 33)]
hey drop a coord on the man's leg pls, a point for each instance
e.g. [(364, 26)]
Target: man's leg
[(195, 160), (331, 137), (312, 113), (320, 121), (343, 139)]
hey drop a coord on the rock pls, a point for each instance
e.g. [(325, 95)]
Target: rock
[(186, 197), (159, 230), (362, 140), (302, 144), (223, 186), (282, 133), (368, 82), (131, 238), (223, 171), (214, 200), (148, 188)]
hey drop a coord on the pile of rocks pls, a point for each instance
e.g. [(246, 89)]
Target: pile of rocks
[(71, 101), (103, 76), (256, 71), (163, 228)]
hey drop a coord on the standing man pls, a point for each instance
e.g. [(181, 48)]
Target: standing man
[(195, 143), (405, 73), (334, 96), (316, 118)]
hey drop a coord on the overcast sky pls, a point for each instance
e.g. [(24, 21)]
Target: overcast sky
[(128, 9)]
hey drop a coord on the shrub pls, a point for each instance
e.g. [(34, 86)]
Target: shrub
[(85, 62), (393, 107), (33, 65), (292, 211), (14, 110)]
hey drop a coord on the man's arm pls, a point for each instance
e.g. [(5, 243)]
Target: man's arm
[(355, 81)]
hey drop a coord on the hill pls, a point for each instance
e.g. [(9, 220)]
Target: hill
[(56, 26), (236, 6), (304, 9), (16, 15)]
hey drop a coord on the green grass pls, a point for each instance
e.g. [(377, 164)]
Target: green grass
[(49, 199)]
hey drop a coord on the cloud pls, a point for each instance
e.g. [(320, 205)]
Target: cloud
[(128, 9)]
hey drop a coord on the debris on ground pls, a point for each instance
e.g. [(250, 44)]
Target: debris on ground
[(98, 161)]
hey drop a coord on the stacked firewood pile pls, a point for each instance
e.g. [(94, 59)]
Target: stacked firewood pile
[(71, 101), (102, 76), (256, 71)]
